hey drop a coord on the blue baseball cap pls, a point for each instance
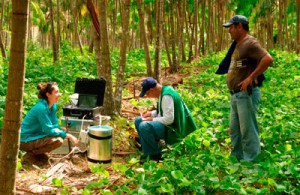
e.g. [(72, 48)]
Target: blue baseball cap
[(235, 20), (147, 84)]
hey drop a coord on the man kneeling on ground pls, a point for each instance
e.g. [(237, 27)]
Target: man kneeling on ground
[(171, 120)]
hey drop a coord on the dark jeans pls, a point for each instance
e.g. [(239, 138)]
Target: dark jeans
[(149, 133)]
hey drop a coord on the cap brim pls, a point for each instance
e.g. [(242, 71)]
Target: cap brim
[(143, 93), (226, 25)]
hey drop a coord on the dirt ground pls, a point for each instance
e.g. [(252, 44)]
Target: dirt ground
[(74, 169)]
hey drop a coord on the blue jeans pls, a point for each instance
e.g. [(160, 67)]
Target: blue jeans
[(149, 133), (244, 131)]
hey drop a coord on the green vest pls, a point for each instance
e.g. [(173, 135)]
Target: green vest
[(183, 122)]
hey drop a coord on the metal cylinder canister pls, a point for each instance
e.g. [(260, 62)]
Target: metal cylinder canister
[(100, 144)]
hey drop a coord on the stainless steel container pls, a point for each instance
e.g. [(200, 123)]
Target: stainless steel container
[(100, 144)]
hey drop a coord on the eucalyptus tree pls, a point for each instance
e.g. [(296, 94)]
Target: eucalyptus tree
[(14, 97), (74, 10), (191, 21), (114, 15), (58, 29), (2, 47), (175, 39), (172, 36), (149, 10), (298, 26), (195, 29), (143, 37), (122, 61), (53, 36), (158, 40), (209, 29), (39, 20), (202, 42), (105, 68)]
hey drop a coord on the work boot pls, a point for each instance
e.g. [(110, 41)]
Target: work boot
[(138, 144), (144, 158), (33, 159)]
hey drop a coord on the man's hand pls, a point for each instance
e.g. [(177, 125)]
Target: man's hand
[(147, 119), (146, 114), (245, 83), (261, 67)]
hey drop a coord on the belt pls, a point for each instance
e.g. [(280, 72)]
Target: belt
[(234, 91), (239, 90)]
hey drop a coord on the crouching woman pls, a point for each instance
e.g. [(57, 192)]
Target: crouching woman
[(40, 131)]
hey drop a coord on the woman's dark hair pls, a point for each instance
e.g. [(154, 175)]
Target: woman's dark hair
[(45, 88)]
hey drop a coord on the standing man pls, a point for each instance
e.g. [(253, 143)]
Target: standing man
[(171, 121), (248, 61)]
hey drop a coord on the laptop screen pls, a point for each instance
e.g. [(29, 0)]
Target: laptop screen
[(87, 101)]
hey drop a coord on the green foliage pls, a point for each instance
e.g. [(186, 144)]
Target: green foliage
[(57, 182), (99, 169), (200, 164)]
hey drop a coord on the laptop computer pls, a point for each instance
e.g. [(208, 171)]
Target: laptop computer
[(87, 101)]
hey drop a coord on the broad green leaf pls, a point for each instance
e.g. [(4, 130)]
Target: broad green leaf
[(177, 174)]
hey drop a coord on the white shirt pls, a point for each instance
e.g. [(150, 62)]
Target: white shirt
[(167, 105)]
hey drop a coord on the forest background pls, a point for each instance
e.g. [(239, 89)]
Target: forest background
[(160, 35)]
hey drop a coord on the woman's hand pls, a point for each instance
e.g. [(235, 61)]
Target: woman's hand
[(72, 138)]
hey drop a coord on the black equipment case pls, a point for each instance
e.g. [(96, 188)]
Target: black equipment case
[(90, 100)]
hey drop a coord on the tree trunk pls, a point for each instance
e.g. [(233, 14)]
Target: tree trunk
[(92, 38), (122, 62), (182, 40), (97, 45), (54, 46), (96, 37), (58, 31), (219, 26), (279, 38), (105, 59), (114, 39), (3, 52), (298, 27), (179, 34), (209, 27), (173, 37), (202, 43), (269, 24), (190, 26), (14, 98), (158, 43), (143, 37), (2, 47), (166, 41), (75, 18), (195, 29), (149, 23), (285, 26)]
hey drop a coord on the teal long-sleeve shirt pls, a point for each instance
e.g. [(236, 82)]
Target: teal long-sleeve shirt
[(40, 122)]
